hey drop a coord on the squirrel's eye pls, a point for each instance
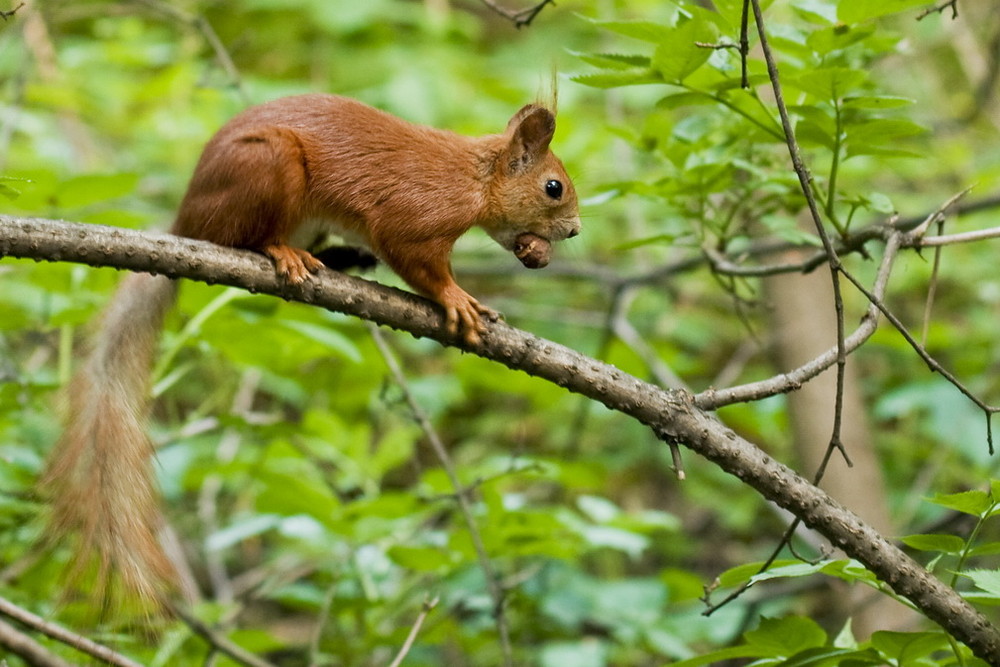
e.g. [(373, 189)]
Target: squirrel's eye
[(553, 189)]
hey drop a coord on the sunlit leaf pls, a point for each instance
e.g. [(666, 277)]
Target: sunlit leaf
[(949, 544), (987, 580), (786, 636), (853, 11), (829, 83), (973, 502), (679, 55)]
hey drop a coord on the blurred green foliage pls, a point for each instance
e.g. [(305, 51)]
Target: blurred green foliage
[(314, 516)]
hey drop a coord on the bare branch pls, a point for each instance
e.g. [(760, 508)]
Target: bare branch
[(940, 10), (201, 24), (520, 17), (64, 636), (805, 184), (954, 239), (672, 415), (10, 12), (220, 643), (713, 399), (22, 645), (414, 631)]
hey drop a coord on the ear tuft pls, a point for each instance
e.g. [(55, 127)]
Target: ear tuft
[(530, 131)]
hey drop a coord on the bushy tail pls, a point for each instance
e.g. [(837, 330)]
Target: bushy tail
[(100, 475)]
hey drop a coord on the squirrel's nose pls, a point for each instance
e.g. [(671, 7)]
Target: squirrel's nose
[(573, 232)]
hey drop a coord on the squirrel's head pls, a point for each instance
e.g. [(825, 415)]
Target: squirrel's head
[(530, 190)]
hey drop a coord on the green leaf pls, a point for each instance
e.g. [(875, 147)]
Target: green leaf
[(877, 102), (831, 656), (8, 191), (829, 83), (948, 544), (878, 202), (816, 11), (646, 31), (987, 549), (636, 77), (94, 188), (679, 55), (879, 137), (421, 559), (783, 637), (837, 37), (853, 11), (326, 336), (987, 580), (995, 489), (740, 574), (685, 98), (809, 133), (908, 647), (721, 656), (972, 502), (614, 61)]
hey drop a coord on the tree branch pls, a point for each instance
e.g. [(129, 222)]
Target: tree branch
[(61, 634), (519, 17), (713, 399), (672, 415), (24, 646)]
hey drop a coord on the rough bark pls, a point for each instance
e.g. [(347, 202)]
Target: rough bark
[(672, 415)]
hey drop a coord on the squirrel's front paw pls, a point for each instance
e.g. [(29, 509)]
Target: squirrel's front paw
[(463, 313), (293, 264)]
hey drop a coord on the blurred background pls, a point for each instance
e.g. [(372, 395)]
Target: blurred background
[(311, 516)]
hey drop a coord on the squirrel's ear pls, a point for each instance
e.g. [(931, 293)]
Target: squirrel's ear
[(530, 131)]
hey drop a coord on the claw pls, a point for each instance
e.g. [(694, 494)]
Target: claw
[(292, 264), (465, 315)]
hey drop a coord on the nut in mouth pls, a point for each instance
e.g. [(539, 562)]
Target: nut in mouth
[(533, 250)]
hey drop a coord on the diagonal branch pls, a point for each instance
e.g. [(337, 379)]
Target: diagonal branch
[(713, 399), (672, 415), (64, 636)]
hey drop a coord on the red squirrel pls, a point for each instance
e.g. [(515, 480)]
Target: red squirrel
[(404, 191)]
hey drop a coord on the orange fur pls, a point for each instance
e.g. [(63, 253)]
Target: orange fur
[(407, 192)]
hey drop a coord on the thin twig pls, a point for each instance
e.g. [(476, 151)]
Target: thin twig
[(64, 636), (938, 215), (832, 258), (744, 44), (746, 585), (201, 24), (496, 591), (218, 642), (718, 46), (954, 239), (414, 631), (713, 399), (931, 289), (10, 12), (520, 17), (931, 362), (940, 10)]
